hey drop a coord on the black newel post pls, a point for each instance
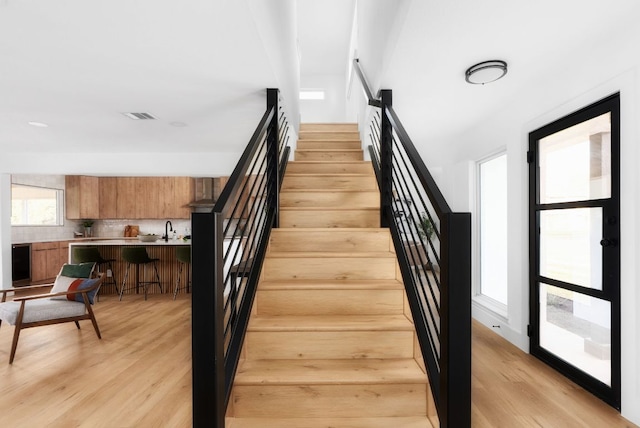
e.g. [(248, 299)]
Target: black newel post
[(207, 352), (455, 343), (386, 135), (272, 154)]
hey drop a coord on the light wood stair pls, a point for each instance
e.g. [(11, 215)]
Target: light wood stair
[(330, 342)]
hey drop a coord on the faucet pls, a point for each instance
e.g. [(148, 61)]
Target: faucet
[(167, 228)]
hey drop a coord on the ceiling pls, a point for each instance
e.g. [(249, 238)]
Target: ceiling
[(539, 40), (324, 30), (76, 65)]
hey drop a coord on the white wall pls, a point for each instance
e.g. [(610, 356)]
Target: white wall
[(563, 84), (333, 107), (377, 27), (276, 23), (612, 66), (5, 231)]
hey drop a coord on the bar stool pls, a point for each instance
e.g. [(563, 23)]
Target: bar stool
[(183, 254), (138, 256), (92, 254)]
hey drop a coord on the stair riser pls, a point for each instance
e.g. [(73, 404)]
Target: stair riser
[(356, 167), (328, 155), (323, 268), (329, 199), (313, 401), (330, 302), (361, 182), (328, 144), (289, 345), (332, 240), (329, 127), (330, 218), (329, 135)]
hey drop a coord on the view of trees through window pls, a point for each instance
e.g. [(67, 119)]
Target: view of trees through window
[(35, 206)]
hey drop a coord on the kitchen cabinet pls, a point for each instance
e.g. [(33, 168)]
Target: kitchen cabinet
[(184, 193), (126, 197), (147, 200), (129, 197), (45, 261), (82, 197), (63, 254), (166, 188), (108, 197)]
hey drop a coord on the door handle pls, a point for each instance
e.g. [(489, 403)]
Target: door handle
[(608, 242)]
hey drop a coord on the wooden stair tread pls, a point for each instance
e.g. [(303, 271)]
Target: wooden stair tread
[(329, 150), (283, 208), (381, 422), (328, 284), (330, 230), (354, 139), (329, 372), (358, 191), (329, 254), (338, 162), (330, 323), (327, 174)]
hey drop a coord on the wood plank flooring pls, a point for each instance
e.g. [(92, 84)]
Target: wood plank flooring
[(514, 389), (139, 375)]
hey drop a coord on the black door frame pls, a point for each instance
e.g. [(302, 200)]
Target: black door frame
[(611, 254)]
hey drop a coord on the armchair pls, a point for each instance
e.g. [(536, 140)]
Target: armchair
[(67, 301)]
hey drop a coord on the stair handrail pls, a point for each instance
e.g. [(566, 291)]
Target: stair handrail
[(371, 100), (228, 248), (433, 247)]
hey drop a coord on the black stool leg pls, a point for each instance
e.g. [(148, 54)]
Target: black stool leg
[(113, 276), (177, 287), (124, 281), (155, 268)]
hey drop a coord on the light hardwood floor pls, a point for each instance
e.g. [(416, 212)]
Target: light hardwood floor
[(139, 375), (514, 389)]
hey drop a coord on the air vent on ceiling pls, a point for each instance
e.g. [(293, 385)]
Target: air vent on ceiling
[(140, 116)]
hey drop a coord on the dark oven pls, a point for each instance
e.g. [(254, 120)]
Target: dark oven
[(21, 264)]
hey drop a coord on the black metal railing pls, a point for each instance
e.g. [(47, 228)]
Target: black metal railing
[(433, 246), (228, 249)]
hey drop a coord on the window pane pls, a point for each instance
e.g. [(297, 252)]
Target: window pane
[(493, 228), (34, 206), (577, 328), (570, 249), (575, 163)]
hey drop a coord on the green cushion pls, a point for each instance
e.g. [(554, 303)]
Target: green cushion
[(81, 270)]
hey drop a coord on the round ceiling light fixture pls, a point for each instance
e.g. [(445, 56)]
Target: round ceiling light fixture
[(38, 124), (486, 72)]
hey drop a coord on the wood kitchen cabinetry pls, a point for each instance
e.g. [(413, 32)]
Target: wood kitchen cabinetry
[(126, 197), (46, 260), (108, 197), (129, 197), (82, 197)]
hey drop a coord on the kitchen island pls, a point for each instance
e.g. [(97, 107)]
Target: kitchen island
[(165, 251)]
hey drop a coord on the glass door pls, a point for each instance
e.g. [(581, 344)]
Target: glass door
[(574, 247)]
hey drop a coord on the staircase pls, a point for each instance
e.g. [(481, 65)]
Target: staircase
[(330, 342)]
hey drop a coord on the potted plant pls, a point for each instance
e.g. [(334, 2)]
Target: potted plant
[(425, 227), (419, 250), (87, 227)]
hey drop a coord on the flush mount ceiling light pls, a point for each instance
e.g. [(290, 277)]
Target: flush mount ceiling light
[(485, 72), (38, 124), (140, 116)]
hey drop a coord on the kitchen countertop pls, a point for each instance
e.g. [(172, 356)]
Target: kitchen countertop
[(132, 241)]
